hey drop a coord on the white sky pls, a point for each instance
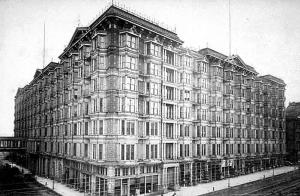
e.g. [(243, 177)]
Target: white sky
[(265, 33)]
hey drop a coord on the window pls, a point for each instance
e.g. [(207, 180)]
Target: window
[(153, 49), (204, 99), (130, 128), (101, 83), (101, 61), (101, 127), (204, 114), (170, 75), (181, 133), (181, 150), (186, 150), (131, 105), (170, 93), (204, 67), (123, 127), (187, 96), (147, 128), (154, 128), (100, 155), (198, 149), (154, 69), (75, 128), (95, 104), (132, 171), (154, 88), (155, 106), (154, 151), (218, 131), (213, 149), (101, 104), (125, 171), (169, 57), (203, 149), (170, 111), (187, 131), (127, 152), (128, 40), (218, 149), (128, 62), (147, 151), (117, 172), (203, 131), (86, 150), (86, 128), (94, 151), (169, 130), (101, 41)]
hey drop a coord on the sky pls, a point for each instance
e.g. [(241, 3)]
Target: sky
[(265, 34)]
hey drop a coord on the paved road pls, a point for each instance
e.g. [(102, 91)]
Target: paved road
[(24, 185), (26, 189), (283, 184)]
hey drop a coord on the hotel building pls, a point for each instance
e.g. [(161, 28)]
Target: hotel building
[(128, 110)]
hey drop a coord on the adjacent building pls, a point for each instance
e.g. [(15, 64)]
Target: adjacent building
[(293, 131), (128, 110)]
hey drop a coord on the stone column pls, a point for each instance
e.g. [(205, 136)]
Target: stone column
[(164, 179), (191, 173), (111, 181), (93, 184)]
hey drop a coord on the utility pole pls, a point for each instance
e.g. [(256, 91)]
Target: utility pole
[(229, 25), (228, 182), (53, 176), (44, 50)]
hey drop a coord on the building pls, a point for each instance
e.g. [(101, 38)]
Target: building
[(129, 110), (293, 131)]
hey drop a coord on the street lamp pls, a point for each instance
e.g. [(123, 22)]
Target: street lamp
[(228, 181)]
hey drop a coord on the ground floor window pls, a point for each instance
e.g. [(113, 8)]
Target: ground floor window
[(101, 186), (148, 184)]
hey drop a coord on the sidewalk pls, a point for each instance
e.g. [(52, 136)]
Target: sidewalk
[(58, 187), (223, 184), (17, 166)]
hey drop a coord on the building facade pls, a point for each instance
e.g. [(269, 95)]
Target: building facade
[(293, 132), (128, 110)]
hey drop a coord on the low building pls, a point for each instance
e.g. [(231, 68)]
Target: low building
[(293, 132)]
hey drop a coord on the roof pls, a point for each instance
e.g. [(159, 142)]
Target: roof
[(273, 78), (37, 73), (79, 31), (192, 52), (126, 15), (239, 61), (211, 52), (293, 110), (236, 59)]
